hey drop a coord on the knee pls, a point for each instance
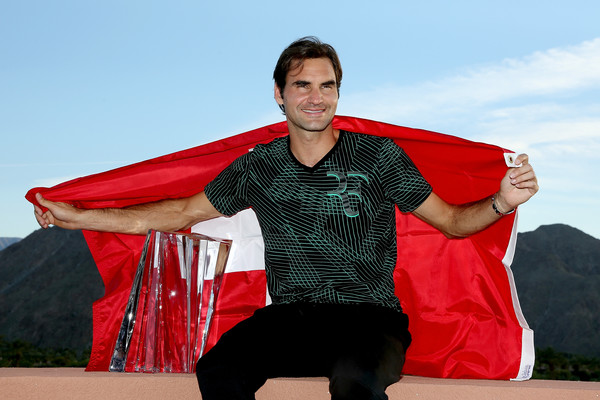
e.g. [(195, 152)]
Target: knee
[(203, 372), (215, 381), (212, 370), (219, 379), (355, 388)]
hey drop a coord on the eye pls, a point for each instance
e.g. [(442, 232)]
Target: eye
[(302, 85)]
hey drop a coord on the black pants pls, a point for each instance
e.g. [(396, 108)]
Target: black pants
[(360, 348)]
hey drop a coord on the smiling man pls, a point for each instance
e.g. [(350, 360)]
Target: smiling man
[(325, 200)]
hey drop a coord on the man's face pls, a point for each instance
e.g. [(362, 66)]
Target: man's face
[(310, 96)]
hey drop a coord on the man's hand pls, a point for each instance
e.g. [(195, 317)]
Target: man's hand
[(518, 185), (60, 214)]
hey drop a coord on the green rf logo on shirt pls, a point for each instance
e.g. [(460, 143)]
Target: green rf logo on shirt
[(348, 185)]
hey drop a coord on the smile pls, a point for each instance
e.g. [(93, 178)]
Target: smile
[(313, 111)]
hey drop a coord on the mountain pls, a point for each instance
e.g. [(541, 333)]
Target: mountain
[(7, 241), (48, 282), (557, 273)]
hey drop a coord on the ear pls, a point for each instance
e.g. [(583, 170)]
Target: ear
[(278, 95)]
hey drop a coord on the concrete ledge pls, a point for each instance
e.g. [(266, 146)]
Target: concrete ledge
[(74, 383)]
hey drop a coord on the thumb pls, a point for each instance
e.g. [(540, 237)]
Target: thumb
[(41, 200), (44, 203)]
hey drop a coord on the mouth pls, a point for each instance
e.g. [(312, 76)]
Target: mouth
[(310, 111)]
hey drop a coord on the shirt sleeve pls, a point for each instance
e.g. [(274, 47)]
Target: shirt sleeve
[(228, 191), (403, 182)]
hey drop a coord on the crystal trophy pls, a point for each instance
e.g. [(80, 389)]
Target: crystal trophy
[(168, 315)]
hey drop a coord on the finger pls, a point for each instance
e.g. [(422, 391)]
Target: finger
[(41, 220), (515, 173), (49, 218), (530, 185), (522, 159), (527, 184), (519, 181)]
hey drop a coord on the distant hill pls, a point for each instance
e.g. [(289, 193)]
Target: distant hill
[(557, 273), (7, 241), (48, 282)]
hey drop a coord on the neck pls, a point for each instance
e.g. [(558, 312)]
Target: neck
[(310, 147)]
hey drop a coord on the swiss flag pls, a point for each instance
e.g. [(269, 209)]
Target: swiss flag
[(459, 294)]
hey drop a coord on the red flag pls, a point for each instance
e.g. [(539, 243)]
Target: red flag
[(459, 294)]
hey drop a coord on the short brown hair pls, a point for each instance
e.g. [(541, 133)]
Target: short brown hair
[(305, 48)]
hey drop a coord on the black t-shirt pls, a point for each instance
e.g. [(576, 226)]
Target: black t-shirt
[(329, 230)]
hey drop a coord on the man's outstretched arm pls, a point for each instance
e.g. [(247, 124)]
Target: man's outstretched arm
[(517, 186), (165, 215)]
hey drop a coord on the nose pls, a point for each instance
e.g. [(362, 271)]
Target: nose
[(315, 96)]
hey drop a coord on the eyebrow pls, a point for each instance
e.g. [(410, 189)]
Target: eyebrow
[(304, 83), (301, 83)]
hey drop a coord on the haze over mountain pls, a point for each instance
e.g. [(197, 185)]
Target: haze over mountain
[(48, 282), (7, 241)]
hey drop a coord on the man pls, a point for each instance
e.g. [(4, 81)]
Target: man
[(325, 200)]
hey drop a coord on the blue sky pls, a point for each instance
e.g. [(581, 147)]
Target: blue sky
[(87, 86)]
